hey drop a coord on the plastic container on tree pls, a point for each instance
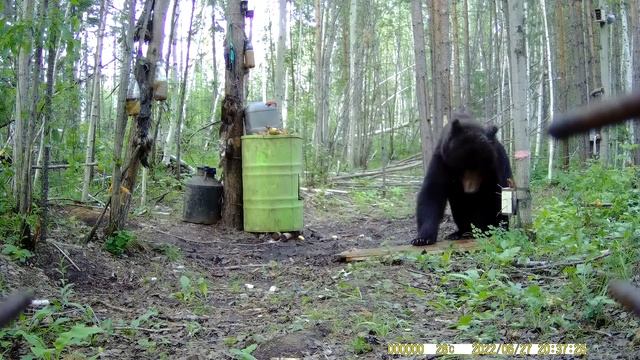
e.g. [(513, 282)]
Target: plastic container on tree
[(133, 97), (249, 57), (160, 86)]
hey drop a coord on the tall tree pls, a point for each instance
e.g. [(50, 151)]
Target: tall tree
[(154, 13), (419, 51), (173, 66), (549, 74), (280, 77), (183, 91), (517, 67), (95, 101), (457, 85), (577, 74), (121, 117), (634, 25), (355, 84), (215, 96), (467, 57), (441, 58), (232, 126)]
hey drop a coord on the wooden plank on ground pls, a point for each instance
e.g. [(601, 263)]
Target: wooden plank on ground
[(438, 247)]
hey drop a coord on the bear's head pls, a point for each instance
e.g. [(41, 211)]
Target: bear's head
[(468, 149)]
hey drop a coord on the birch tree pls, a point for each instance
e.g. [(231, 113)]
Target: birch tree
[(549, 74), (281, 52), (121, 117), (355, 84), (517, 64), (95, 102), (183, 87), (173, 65), (634, 25), (139, 139), (441, 58), (420, 56)]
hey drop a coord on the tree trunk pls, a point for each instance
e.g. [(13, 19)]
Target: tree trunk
[(578, 90), (139, 139), (355, 85), (232, 125), (419, 51), (281, 53), (549, 73), (121, 118), (321, 131), (94, 112), (215, 96), (183, 91), (467, 57), (52, 56), (168, 145), (634, 24), (517, 64), (441, 58), (25, 14), (561, 71), (456, 102), (539, 102)]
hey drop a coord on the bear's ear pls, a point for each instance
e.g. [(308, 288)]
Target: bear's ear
[(456, 127), (492, 131)]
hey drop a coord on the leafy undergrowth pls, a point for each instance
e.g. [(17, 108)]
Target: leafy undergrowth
[(167, 303), (554, 287)]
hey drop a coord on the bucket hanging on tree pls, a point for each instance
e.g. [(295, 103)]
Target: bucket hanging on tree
[(249, 59), (133, 97), (160, 87)]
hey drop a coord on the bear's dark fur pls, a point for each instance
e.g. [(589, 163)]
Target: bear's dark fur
[(469, 167)]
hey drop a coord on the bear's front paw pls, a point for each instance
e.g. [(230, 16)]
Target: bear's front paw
[(423, 241)]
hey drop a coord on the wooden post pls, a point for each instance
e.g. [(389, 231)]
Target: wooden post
[(232, 124)]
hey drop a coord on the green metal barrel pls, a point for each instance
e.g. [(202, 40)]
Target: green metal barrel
[(271, 169)]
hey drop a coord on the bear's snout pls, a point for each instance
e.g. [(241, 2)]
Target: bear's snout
[(471, 181)]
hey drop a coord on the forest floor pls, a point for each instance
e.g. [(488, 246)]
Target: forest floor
[(188, 291)]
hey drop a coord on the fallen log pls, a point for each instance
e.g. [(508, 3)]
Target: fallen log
[(379, 172), (438, 247)]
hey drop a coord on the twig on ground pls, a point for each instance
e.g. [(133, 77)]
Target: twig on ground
[(419, 272), (184, 318), (238, 267), (144, 329), (65, 255), (604, 254)]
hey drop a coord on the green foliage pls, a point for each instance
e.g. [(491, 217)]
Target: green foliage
[(244, 354), (360, 345), (144, 318), (119, 242), (49, 333), (15, 253), (172, 252), (570, 225), (379, 325), (190, 291)]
